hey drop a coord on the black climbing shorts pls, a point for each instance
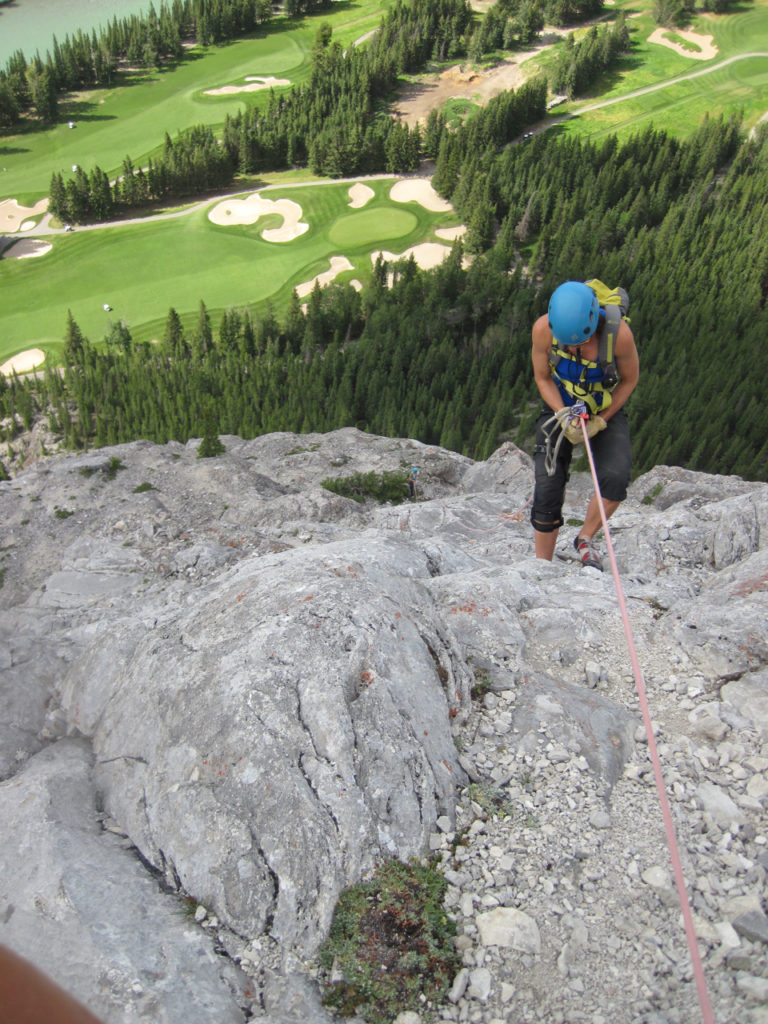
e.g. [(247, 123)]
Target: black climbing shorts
[(612, 453)]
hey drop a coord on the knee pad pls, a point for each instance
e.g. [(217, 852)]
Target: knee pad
[(546, 522)]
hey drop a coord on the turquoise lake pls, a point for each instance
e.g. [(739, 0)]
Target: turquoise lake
[(30, 25)]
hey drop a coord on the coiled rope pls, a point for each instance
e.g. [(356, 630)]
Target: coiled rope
[(698, 971)]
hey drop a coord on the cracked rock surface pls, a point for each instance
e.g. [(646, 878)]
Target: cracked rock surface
[(228, 693)]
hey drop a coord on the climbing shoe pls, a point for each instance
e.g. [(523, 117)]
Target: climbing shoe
[(587, 551)]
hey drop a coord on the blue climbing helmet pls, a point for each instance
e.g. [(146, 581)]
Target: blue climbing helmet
[(573, 313)]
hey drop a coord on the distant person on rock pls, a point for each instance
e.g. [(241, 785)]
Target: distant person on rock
[(412, 481), (582, 352)]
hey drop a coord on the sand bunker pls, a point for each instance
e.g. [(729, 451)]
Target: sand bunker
[(248, 211), (255, 82), (426, 255), (26, 248), (359, 195), (338, 263), (707, 50), (23, 362), (451, 234), (14, 217), (419, 190)]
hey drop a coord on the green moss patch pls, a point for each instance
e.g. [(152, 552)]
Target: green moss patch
[(392, 943)]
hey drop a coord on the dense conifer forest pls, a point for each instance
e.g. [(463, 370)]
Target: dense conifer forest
[(444, 355)]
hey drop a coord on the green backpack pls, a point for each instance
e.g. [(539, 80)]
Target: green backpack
[(615, 301)]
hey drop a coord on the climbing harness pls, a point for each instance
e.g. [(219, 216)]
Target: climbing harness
[(707, 1015), (559, 422), (592, 381)]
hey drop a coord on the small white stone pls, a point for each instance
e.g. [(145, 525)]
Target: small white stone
[(558, 755), (200, 913), (480, 984), (507, 991), (755, 987), (459, 986), (467, 904), (718, 805), (594, 673), (600, 819), (727, 934), (657, 877), (757, 787), (507, 926)]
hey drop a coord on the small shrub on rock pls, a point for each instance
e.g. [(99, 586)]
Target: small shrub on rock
[(387, 486), (210, 446)]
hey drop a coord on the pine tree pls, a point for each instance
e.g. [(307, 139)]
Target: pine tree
[(74, 342), (173, 336), (202, 339), (210, 445)]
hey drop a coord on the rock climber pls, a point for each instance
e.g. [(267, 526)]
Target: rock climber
[(412, 481), (570, 367)]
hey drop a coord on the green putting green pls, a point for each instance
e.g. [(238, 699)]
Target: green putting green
[(369, 227)]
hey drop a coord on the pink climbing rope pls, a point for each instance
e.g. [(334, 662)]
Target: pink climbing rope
[(707, 1015)]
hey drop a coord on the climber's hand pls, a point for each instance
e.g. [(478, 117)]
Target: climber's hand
[(595, 425)]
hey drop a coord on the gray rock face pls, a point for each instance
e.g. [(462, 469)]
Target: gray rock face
[(221, 680), (76, 901), (299, 731)]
